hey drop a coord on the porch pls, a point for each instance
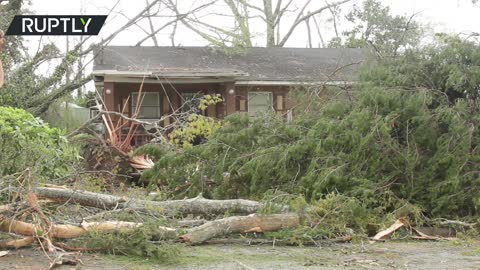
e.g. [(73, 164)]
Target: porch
[(167, 100)]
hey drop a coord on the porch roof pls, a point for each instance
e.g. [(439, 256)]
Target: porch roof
[(251, 64)]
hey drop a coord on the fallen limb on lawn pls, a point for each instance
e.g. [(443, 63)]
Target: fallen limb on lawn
[(64, 231), (251, 223), (389, 231), (196, 206), (197, 235)]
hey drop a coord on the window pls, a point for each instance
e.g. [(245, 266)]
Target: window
[(150, 105), (190, 102), (259, 102)]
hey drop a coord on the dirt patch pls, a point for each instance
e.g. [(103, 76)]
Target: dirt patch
[(391, 255)]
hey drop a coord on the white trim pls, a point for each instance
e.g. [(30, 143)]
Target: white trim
[(109, 78), (120, 73), (172, 73), (292, 83), (200, 77)]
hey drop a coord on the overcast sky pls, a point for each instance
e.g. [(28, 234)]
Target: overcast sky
[(458, 16), (442, 15)]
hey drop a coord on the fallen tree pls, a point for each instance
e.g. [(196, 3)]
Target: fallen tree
[(26, 219), (196, 206), (42, 228), (196, 235), (63, 231), (17, 243), (67, 231), (245, 224)]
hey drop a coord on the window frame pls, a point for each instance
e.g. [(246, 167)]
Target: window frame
[(159, 104), (249, 104)]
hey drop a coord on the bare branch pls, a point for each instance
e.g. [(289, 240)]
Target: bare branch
[(242, 20), (152, 30), (300, 19), (322, 41)]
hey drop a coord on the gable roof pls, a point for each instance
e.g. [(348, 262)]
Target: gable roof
[(253, 64)]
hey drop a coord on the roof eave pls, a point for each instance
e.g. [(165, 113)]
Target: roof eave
[(292, 83), (171, 74)]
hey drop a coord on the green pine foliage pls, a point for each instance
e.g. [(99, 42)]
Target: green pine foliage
[(449, 66), (139, 243), (389, 149)]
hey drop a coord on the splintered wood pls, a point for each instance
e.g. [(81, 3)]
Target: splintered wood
[(402, 223)]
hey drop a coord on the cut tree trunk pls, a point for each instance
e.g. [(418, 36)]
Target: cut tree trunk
[(63, 231), (196, 206), (252, 223), (16, 243)]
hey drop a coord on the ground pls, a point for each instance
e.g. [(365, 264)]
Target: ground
[(390, 255)]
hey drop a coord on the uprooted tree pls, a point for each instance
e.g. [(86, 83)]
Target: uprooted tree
[(402, 140), (402, 150)]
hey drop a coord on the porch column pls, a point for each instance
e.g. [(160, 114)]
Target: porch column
[(108, 96), (230, 101)]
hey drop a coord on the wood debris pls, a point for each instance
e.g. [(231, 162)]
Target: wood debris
[(402, 223)]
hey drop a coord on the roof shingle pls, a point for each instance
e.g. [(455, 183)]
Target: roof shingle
[(265, 64)]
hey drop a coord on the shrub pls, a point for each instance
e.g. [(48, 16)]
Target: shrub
[(196, 130), (28, 143), (449, 65)]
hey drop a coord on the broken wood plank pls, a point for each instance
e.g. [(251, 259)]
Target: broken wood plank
[(240, 224), (196, 206), (402, 223), (399, 223)]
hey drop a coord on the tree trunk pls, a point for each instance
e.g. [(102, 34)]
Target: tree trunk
[(63, 231), (270, 22), (16, 243), (196, 206), (252, 223)]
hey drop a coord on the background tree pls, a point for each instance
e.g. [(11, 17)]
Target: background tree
[(35, 91), (13, 45), (375, 27), (448, 66), (268, 16)]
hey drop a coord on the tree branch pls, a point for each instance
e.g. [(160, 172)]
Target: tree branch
[(300, 19)]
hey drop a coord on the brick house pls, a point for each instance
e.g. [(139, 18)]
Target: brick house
[(250, 81)]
